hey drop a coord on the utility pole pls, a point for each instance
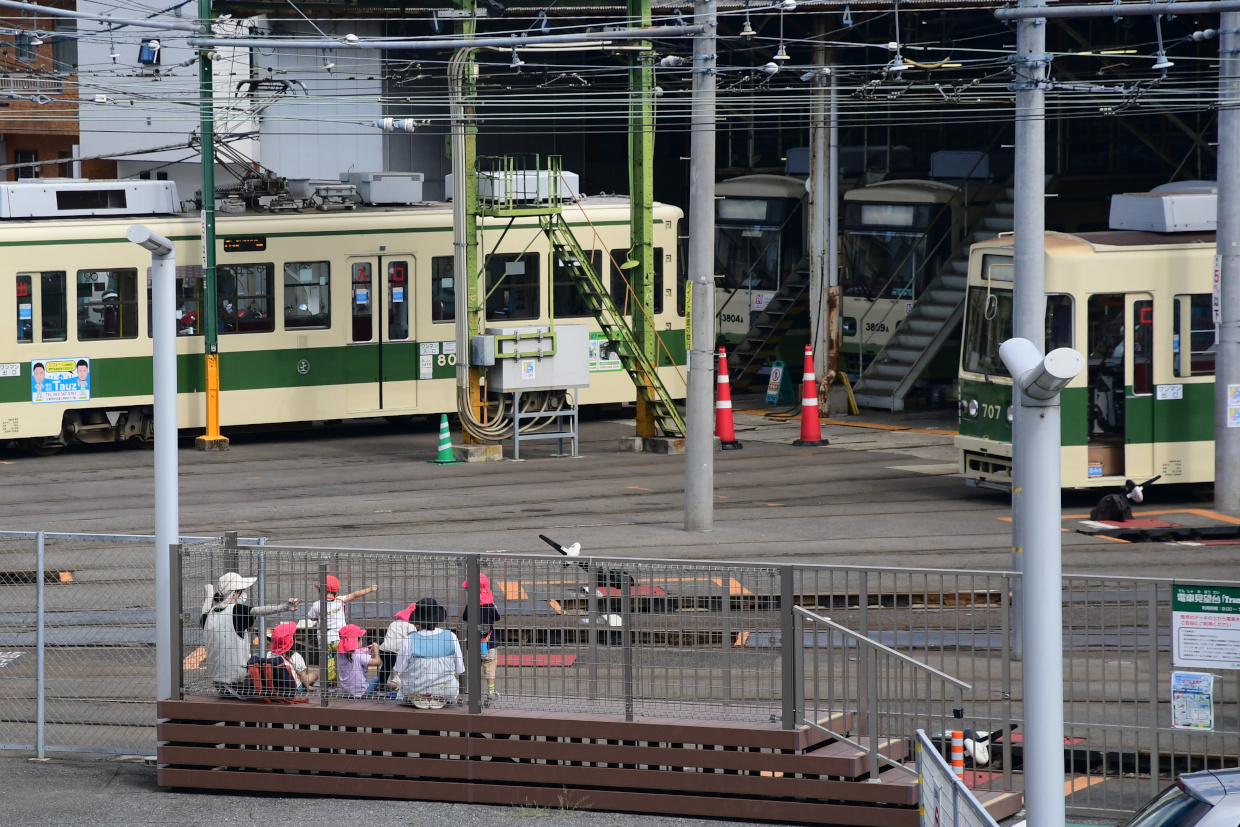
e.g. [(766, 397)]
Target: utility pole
[(818, 204), (1029, 288), (476, 317), (834, 330), (641, 202), (699, 441), (1227, 369), (212, 440)]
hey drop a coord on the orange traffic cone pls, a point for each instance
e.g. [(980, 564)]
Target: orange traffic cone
[(724, 428), (811, 430)]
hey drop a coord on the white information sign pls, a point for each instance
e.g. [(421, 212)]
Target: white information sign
[(1165, 392), (426, 366), (11, 369)]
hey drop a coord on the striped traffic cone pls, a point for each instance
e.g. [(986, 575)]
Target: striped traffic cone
[(811, 429), (445, 456), (724, 427), (958, 753)]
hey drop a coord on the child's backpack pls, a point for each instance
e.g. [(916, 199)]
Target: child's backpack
[(273, 680)]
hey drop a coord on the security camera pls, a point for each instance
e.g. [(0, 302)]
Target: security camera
[(1040, 378)]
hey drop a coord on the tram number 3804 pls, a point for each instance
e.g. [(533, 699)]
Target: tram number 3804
[(731, 317)]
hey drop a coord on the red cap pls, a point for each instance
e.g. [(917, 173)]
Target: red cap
[(282, 638), (349, 635), (333, 583), (404, 614)]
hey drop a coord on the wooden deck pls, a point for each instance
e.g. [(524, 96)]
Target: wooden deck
[(545, 759)]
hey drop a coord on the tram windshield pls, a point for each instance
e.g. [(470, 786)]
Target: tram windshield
[(757, 242), (892, 251), (987, 324)]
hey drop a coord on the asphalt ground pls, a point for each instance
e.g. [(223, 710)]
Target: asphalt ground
[(874, 495)]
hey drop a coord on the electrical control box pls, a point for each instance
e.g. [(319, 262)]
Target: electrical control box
[(482, 351), (531, 358)]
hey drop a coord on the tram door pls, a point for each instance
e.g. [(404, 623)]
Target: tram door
[(1139, 390), (380, 367)]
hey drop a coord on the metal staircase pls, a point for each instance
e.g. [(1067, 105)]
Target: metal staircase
[(769, 329), (934, 317), (598, 298)]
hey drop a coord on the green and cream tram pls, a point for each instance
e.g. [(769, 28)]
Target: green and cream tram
[(1137, 304), (322, 315)]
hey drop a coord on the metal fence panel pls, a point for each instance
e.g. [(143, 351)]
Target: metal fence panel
[(945, 800), (18, 668)]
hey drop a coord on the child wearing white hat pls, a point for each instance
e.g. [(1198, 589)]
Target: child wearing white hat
[(226, 620)]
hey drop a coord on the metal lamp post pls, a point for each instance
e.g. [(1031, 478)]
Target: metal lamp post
[(167, 517)]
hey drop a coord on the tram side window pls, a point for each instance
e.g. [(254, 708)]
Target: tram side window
[(53, 314), (25, 310), (307, 294), (443, 289), (189, 292), (1058, 322), (566, 299), (1143, 348), (621, 280), (245, 298), (107, 304), (398, 300), (988, 324), (1194, 335), (512, 287)]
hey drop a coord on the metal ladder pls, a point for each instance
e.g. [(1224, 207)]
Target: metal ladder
[(769, 328), (645, 376)]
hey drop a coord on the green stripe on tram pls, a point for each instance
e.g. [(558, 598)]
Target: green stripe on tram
[(1190, 419)]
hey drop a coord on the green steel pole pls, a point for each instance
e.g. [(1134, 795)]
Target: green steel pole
[(466, 27), (212, 440), (641, 175)]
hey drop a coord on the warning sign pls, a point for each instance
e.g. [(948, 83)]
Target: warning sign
[(1205, 626)]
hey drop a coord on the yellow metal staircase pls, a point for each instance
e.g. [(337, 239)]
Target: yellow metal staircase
[(598, 298)]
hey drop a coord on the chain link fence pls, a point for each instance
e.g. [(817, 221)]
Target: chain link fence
[(77, 642)]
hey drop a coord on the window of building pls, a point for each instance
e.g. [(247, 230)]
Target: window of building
[(26, 156), (512, 287), (189, 295), (107, 304), (25, 309), (307, 294), (65, 46), (567, 301), (443, 290), (622, 279), (244, 293), (1058, 321), (24, 48), (1194, 335)]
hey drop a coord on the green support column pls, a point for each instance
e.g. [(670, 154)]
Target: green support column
[(641, 176), (212, 440)]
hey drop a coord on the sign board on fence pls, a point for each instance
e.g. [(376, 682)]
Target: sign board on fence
[(1205, 626), (1192, 701)]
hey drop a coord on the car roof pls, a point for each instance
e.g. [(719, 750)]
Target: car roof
[(1211, 786)]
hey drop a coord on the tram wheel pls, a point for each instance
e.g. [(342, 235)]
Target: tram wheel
[(44, 446)]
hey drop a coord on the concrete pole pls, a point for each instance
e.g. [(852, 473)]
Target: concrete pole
[(818, 197), (1036, 382), (699, 418), (833, 229), (1029, 289), (167, 517), (1227, 368)]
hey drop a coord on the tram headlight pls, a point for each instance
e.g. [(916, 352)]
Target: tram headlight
[(1009, 413), (973, 406)]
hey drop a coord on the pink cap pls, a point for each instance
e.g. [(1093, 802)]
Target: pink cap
[(349, 636), (485, 595), (333, 584), (282, 638), (403, 614)]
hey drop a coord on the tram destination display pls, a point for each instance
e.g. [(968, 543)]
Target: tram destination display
[(245, 244)]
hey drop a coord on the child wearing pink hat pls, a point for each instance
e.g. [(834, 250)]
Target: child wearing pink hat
[(352, 662), (398, 631), (282, 638), (486, 631)]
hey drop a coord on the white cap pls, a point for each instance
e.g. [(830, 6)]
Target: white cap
[(233, 582)]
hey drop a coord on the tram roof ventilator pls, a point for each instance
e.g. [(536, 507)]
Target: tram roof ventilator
[(1182, 207), (77, 198)]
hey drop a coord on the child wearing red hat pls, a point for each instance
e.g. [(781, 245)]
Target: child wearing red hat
[(282, 638), (335, 616), (486, 631), (398, 631), (353, 661)]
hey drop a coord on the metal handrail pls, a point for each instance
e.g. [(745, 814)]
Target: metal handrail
[(862, 639)]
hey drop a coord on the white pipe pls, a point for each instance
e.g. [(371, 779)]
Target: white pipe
[(48, 11), (509, 42), (167, 517)]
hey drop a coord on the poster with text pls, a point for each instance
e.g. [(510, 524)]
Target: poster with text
[(59, 380), (1192, 701), (1205, 626)]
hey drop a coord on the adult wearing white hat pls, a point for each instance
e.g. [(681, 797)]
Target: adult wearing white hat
[(226, 620)]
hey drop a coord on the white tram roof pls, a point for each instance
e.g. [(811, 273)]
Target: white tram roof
[(762, 186), (1068, 244), (904, 191), (1182, 207)]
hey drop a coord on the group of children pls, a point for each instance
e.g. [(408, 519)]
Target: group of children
[(419, 663)]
